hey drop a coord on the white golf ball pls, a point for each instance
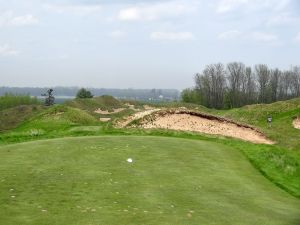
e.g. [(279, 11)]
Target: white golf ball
[(129, 160)]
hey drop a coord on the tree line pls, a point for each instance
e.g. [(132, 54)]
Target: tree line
[(137, 94), (236, 85)]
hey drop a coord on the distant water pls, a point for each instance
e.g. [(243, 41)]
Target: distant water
[(58, 99)]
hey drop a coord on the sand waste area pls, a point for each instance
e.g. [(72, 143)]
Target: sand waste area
[(185, 120)]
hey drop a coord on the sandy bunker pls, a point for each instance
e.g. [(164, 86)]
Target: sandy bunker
[(296, 123), (106, 112), (136, 116), (188, 121)]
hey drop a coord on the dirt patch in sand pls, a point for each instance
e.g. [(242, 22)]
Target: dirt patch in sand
[(185, 120), (106, 112), (296, 123), (132, 107), (148, 107), (136, 116), (105, 119)]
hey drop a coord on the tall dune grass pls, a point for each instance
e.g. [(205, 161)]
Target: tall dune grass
[(10, 100)]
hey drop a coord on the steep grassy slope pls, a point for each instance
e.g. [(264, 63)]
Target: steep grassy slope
[(281, 162), (50, 122), (14, 109), (171, 181), (13, 117), (283, 114), (105, 103), (91, 104)]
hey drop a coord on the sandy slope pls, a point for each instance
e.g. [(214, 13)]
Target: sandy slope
[(187, 122), (136, 116), (106, 112), (296, 123)]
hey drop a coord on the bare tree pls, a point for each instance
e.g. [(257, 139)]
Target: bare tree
[(274, 84), (203, 87), (216, 74), (285, 85), (250, 96), (235, 76), (244, 86), (263, 78), (211, 84), (295, 81)]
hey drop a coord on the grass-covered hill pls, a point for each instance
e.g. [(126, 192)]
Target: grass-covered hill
[(105, 103), (14, 109), (24, 112), (279, 163), (283, 113), (91, 104), (49, 122), (12, 117)]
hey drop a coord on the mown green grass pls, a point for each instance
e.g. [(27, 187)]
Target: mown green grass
[(172, 181), (279, 163)]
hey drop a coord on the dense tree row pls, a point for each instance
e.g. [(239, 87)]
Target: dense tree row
[(235, 85), (138, 94)]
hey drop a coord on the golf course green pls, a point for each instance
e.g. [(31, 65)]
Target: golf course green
[(88, 181)]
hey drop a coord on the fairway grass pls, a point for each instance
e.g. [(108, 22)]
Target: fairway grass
[(171, 181)]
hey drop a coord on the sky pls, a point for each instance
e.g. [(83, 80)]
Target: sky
[(140, 43)]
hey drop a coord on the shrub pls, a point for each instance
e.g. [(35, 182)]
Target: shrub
[(83, 93)]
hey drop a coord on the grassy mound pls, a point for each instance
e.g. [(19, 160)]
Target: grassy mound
[(13, 117), (91, 104), (283, 113), (58, 118), (89, 181), (105, 103), (50, 122), (257, 113)]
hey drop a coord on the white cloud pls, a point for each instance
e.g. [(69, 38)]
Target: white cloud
[(280, 4), (229, 35), (117, 34), (9, 19), (78, 9), (63, 56), (249, 36), (6, 50), (225, 6), (280, 19), (133, 13), (298, 37), (265, 37), (24, 20), (172, 36), (155, 11)]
